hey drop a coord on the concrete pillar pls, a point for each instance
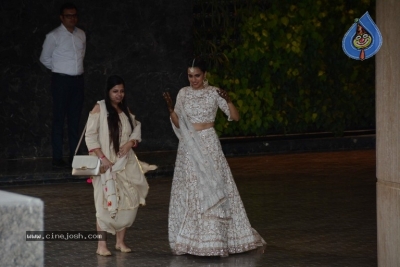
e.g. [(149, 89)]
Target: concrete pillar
[(388, 133), (18, 214)]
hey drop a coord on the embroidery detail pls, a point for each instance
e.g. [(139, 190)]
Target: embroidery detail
[(224, 228)]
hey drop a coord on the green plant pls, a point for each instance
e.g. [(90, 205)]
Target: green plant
[(285, 69)]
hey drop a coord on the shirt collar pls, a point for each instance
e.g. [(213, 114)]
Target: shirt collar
[(62, 25)]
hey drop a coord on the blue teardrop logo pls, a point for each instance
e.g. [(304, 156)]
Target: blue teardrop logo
[(363, 40)]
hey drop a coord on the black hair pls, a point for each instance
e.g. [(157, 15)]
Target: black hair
[(67, 5), (113, 117), (197, 63)]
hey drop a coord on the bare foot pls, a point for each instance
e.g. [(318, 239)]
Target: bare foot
[(103, 252), (122, 247), (102, 249)]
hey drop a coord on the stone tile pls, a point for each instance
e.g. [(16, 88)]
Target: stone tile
[(313, 209)]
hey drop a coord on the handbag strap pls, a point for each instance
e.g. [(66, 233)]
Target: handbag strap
[(80, 140)]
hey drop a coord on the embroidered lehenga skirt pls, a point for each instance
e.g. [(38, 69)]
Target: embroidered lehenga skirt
[(222, 230)]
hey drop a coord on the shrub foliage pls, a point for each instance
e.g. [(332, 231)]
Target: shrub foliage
[(283, 65)]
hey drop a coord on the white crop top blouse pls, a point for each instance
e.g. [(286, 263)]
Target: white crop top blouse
[(201, 105)]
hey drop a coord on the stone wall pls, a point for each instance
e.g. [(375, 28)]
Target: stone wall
[(147, 42)]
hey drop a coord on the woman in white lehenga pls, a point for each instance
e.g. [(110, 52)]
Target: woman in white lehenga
[(206, 213), (111, 133)]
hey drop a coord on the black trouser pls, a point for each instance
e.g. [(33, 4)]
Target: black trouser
[(68, 96)]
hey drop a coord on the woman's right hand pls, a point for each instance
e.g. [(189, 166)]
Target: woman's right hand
[(106, 164), (168, 99)]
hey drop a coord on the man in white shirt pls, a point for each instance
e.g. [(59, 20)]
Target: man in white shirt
[(63, 53)]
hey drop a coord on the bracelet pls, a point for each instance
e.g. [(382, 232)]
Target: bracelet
[(102, 157)]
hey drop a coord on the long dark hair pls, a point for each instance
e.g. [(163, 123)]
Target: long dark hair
[(113, 117)]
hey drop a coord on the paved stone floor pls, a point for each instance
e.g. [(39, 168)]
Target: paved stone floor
[(313, 209)]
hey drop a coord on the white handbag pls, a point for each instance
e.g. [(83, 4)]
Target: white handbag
[(85, 165)]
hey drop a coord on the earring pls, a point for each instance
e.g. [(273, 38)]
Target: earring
[(205, 82)]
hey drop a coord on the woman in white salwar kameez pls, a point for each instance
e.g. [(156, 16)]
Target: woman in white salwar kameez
[(206, 213), (112, 131)]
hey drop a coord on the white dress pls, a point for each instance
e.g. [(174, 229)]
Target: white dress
[(223, 228), (130, 184)]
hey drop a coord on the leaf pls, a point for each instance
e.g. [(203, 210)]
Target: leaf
[(314, 116), (258, 122), (264, 33), (285, 21)]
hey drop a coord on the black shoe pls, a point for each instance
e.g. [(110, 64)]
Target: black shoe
[(59, 163)]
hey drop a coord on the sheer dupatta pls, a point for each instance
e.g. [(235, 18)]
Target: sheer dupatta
[(97, 135), (210, 183), (108, 178)]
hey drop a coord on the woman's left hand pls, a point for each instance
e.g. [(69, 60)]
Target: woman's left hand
[(124, 150), (168, 99), (224, 95)]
